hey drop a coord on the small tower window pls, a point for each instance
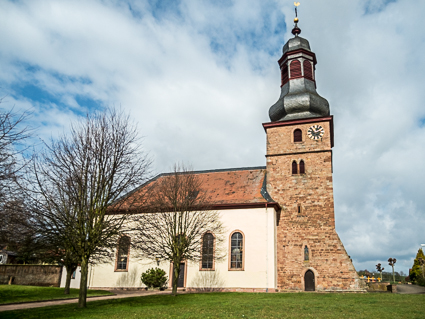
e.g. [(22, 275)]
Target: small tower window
[(302, 167), (299, 209), (306, 256), (308, 70), (284, 74), (295, 69), (294, 168), (298, 135)]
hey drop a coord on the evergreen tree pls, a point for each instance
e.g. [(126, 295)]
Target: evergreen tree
[(418, 269)]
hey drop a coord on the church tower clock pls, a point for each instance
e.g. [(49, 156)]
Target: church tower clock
[(300, 137)]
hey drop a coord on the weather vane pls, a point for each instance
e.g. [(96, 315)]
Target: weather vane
[(296, 30), (296, 4)]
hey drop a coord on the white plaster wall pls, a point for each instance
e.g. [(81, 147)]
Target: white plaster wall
[(259, 228), (75, 283), (104, 276)]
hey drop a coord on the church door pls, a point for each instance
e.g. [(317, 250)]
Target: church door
[(180, 281), (309, 280)]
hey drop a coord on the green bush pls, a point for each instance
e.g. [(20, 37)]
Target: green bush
[(154, 277), (417, 272)]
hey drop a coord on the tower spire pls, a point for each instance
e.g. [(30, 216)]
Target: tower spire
[(296, 30), (298, 98)]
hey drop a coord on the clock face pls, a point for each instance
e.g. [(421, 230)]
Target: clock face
[(315, 132)]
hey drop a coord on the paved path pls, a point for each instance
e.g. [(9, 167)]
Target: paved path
[(118, 295), (410, 289)]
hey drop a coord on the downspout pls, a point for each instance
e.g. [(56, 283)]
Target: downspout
[(267, 250)]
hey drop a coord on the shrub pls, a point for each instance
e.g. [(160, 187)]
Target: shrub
[(417, 272), (154, 277)]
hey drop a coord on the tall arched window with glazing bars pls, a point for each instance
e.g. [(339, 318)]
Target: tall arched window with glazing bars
[(208, 251), (123, 252), (236, 251)]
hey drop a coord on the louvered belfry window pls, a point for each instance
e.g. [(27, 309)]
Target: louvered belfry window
[(295, 69), (298, 135), (308, 70), (294, 168), (302, 167), (284, 74)]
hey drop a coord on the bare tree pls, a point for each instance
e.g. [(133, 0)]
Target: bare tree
[(81, 175), (12, 133), (380, 269), (13, 231), (177, 218), (391, 262), (52, 222)]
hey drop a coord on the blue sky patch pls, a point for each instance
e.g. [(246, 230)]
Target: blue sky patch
[(374, 6), (87, 103), (163, 9), (33, 93)]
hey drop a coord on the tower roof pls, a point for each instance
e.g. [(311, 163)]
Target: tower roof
[(298, 98), (296, 43)]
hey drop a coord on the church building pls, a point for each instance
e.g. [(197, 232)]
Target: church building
[(279, 219)]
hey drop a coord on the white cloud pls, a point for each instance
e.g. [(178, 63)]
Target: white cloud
[(200, 81)]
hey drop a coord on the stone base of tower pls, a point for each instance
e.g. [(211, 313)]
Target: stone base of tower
[(327, 259)]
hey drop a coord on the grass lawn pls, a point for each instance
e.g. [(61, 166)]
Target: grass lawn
[(17, 293), (241, 305)]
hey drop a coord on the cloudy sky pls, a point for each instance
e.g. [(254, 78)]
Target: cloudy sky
[(199, 77)]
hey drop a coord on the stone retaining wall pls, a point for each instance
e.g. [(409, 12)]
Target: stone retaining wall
[(31, 275)]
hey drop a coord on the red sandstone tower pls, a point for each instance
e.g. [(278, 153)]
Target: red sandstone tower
[(310, 255)]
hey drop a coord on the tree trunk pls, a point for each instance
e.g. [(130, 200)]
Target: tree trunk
[(69, 271), (393, 273), (83, 283), (176, 271)]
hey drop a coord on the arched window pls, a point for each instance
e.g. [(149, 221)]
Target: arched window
[(236, 251), (208, 251), (308, 70), (294, 168), (295, 67), (123, 254), (284, 74), (298, 135), (302, 167), (306, 256)]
